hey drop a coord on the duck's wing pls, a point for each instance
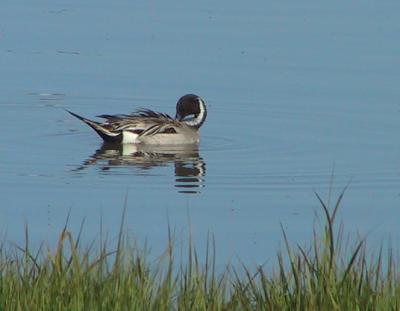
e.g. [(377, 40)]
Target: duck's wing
[(138, 114), (143, 122)]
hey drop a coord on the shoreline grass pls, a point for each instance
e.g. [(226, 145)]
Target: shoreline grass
[(325, 275)]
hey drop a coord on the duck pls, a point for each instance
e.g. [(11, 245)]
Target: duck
[(149, 127)]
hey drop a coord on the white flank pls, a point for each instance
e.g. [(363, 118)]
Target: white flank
[(129, 137)]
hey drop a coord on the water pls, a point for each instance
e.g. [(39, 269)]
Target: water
[(294, 93)]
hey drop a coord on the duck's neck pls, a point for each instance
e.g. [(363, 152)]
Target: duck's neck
[(199, 119)]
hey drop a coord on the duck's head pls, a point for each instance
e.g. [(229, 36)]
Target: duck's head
[(191, 110)]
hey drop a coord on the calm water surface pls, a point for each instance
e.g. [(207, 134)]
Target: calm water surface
[(294, 92)]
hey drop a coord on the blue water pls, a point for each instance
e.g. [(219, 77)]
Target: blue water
[(295, 93)]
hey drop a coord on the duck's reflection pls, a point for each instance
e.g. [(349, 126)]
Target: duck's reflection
[(190, 168)]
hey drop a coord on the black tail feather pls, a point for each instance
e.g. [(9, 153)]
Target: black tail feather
[(104, 133)]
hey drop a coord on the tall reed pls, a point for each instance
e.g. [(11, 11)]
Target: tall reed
[(325, 275)]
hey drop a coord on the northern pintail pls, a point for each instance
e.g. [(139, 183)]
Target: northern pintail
[(146, 126)]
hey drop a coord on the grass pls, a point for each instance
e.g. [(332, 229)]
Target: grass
[(327, 275)]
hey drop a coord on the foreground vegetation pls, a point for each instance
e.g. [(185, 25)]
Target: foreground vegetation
[(326, 275)]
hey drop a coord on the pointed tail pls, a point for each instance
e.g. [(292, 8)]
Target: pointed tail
[(107, 135)]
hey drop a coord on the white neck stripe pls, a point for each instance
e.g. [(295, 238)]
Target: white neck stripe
[(198, 121)]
